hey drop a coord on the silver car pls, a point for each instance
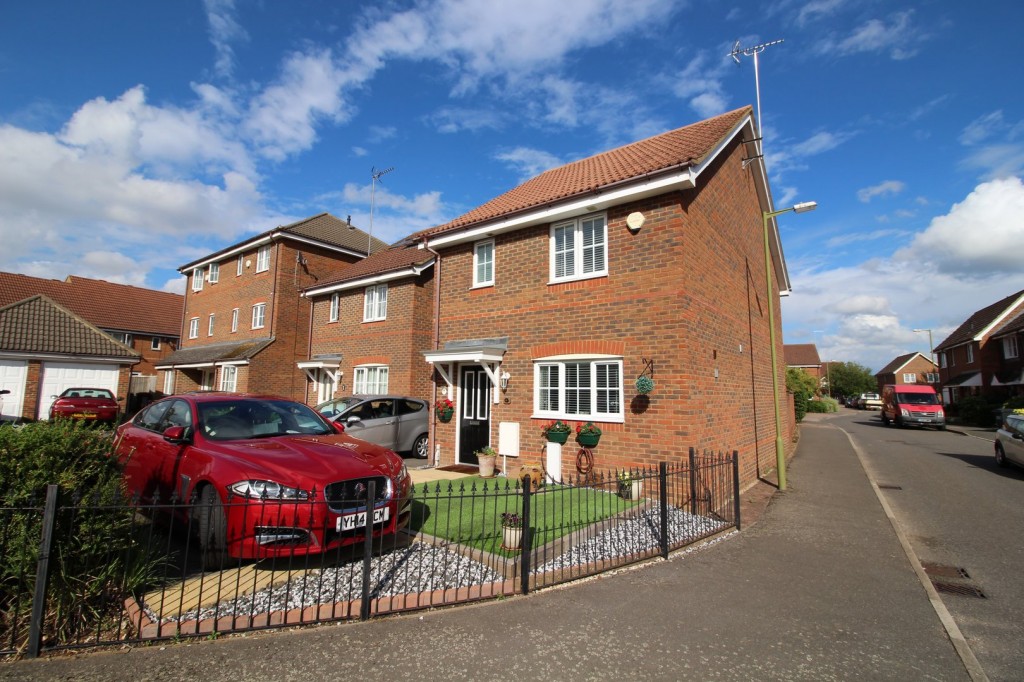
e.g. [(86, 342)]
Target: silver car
[(394, 421), (1010, 441)]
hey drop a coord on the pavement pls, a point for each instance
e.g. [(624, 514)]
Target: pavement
[(817, 586)]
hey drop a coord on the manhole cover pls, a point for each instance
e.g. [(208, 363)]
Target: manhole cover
[(961, 589), (944, 571)]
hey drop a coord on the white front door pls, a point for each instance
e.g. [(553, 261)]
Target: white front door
[(12, 378), (324, 386), (206, 382), (59, 376)]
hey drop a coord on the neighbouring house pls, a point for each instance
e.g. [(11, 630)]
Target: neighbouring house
[(46, 348), (648, 260), (911, 368), (371, 326), (982, 356), (246, 325), (145, 320), (805, 356)]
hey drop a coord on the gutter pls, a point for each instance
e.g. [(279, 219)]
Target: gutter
[(432, 430)]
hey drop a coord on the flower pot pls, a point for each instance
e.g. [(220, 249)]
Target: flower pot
[(445, 415), (588, 440), (486, 463), (558, 437), (511, 538)]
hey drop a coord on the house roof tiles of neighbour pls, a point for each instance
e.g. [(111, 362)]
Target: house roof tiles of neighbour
[(669, 151), (38, 325), (899, 362), (405, 256), (107, 305), (801, 355), (215, 352), (980, 321), (1011, 325)]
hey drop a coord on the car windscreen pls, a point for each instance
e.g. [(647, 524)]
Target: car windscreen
[(87, 393), (255, 418), (916, 398)]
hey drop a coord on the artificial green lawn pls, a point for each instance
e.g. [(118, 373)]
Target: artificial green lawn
[(468, 510)]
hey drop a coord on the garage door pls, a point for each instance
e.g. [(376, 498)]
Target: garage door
[(58, 376), (12, 377)]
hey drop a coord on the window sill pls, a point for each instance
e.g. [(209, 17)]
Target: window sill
[(581, 278), (482, 286), (383, 319), (603, 419)]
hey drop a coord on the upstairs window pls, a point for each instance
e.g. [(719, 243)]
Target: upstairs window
[(209, 327), (1010, 349), (259, 314), (263, 259), (193, 328), (234, 320), (154, 343), (197, 279), (122, 337), (335, 305), (240, 265), (483, 264), (587, 389), (970, 354), (910, 378), (375, 303), (931, 377), (214, 273), (578, 249)]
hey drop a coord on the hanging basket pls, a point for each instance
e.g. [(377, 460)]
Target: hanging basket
[(557, 437), (445, 414), (588, 440), (644, 384)]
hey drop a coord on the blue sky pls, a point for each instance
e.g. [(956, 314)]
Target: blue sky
[(138, 136)]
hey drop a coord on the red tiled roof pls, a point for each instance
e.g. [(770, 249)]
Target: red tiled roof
[(801, 355), (38, 325), (977, 322), (898, 362), (675, 149), (400, 257), (104, 304)]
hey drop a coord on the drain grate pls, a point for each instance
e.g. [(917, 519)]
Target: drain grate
[(945, 571), (960, 589), (888, 486)]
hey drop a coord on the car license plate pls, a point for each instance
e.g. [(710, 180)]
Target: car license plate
[(84, 415), (353, 521)]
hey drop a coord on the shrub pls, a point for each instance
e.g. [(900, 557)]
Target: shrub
[(800, 400), (94, 562), (823, 405), (977, 411)]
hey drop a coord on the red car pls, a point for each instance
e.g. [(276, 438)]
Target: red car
[(263, 476), (88, 404)]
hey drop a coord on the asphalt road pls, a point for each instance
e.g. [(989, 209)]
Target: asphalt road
[(958, 510)]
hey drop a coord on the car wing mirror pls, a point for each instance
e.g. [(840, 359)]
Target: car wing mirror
[(338, 427), (353, 419), (177, 435)]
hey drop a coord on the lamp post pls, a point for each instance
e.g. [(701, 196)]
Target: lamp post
[(931, 348), (780, 453)]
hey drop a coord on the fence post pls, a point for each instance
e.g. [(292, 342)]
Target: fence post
[(736, 485), (35, 632), (371, 498), (693, 481), (663, 479), (524, 563)]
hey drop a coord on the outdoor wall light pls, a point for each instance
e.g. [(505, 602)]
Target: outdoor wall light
[(503, 380)]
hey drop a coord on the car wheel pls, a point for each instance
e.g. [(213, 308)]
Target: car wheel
[(213, 530), (419, 447), (885, 419), (1000, 455)]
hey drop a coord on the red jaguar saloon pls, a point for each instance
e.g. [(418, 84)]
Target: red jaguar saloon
[(87, 404), (261, 476)]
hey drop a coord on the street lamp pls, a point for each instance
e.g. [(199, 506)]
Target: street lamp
[(780, 454), (931, 348)]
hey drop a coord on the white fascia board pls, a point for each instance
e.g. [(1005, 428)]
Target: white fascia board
[(195, 365), (462, 356), (1000, 319), (367, 281), (581, 206), (317, 243), (319, 364), (221, 363)]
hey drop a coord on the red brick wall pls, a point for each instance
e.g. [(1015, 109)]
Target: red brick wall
[(398, 341), (687, 291)]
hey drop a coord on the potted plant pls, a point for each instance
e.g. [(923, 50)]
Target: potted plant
[(631, 485), (644, 384), (445, 409), (556, 431), (486, 458), (588, 434), (511, 530)]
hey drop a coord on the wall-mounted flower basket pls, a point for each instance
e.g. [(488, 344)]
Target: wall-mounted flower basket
[(559, 437), (644, 384), (445, 410), (588, 440), (556, 432)]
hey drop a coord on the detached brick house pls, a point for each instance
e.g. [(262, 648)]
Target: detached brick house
[(982, 356), (805, 356), (912, 368), (246, 325), (553, 298)]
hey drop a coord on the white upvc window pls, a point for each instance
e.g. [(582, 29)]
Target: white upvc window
[(259, 315), (263, 259), (579, 388), (193, 328), (154, 343), (370, 380), (169, 382), (1010, 349), (197, 279), (970, 354), (942, 359), (335, 306), (931, 377), (234, 320), (909, 378), (375, 303), (209, 327), (579, 248), (240, 265), (483, 264), (228, 378), (214, 273)]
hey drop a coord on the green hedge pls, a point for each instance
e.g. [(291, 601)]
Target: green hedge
[(823, 405)]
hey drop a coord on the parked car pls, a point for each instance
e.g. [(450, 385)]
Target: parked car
[(396, 422), (912, 405), (262, 476), (1009, 445), (96, 405), (869, 401)]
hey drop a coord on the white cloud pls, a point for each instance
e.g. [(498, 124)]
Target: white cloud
[(223, 31), (894, 35), (886, 188), (529, 162), (1001, 158), (456, 119), (818, 9)]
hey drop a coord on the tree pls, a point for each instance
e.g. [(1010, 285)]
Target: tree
[(800, 382), (850, 378)]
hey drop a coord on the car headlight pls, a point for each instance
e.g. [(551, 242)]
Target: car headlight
[(267, 490)]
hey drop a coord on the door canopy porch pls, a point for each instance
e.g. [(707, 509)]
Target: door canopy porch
[(488, 353)]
